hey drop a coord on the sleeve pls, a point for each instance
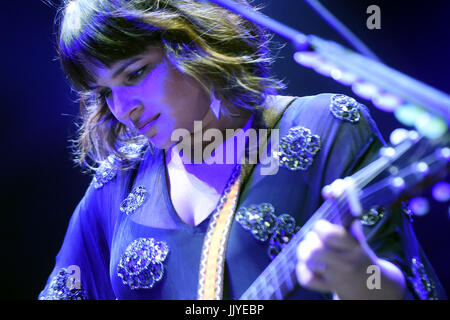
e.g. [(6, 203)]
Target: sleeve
[(81, 269), (356, 142)]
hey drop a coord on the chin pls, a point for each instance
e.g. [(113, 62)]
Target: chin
[(159, 142)]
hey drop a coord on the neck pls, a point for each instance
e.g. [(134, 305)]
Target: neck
[(223, 144)]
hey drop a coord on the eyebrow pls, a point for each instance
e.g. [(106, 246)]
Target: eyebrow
[(125, 65), (120, 69)]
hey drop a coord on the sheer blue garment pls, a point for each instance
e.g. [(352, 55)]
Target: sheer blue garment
[(152, 254)]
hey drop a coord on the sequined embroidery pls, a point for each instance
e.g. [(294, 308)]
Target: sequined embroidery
[(141, 267), (264, 225), (63, 287), (422, 285), (132, 149), (134, 200), (407, 210), (297, 149), (345, 108), (374, 215), (107, 170)]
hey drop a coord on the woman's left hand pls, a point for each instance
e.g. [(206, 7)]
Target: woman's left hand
[(332, 259)]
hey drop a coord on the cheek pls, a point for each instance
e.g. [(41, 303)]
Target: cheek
[(153, 88)]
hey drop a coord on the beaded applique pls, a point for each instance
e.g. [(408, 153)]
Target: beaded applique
[(134, 200), (297, 148), (371, 217), (345, 108), (141, 267), (422, 285), (107, 170), (264, 225), (62, 287)]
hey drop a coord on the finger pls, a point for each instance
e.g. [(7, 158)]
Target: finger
[(329, 261), (310, 243), (309, 279), (356, 230), (334, 236), (321, 259)]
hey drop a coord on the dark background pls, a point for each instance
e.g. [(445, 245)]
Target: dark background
[(40, 186)]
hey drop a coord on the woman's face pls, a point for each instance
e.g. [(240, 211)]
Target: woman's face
[(147, 87)]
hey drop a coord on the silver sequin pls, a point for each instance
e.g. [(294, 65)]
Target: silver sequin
[(105, 172), (345, 108), (134, 200), (108, 169), (62, 288), (141, 267), (297, 149), (264, 225), (374, 215)]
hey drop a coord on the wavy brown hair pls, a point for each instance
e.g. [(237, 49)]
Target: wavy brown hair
[(221, 50)]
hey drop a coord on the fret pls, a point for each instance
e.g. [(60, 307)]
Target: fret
[(290, 266), (253, 294), (276, 287)]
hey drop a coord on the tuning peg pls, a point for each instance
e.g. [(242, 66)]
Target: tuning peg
[(430, 126), (397, 184), (365, 90), (421, 168), (441, 191), (443, 153), (387, 152), (419, 206), (408, 113), (413, 135), (398, 135), (387, 101)]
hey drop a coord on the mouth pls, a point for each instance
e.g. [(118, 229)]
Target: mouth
[(148, 124)]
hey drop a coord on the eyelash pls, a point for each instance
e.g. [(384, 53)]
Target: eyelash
[(132, 76)]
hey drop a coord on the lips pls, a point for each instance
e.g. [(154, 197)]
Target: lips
[(144, 125)]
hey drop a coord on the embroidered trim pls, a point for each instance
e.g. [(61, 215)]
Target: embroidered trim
[(345, 108), (134, 200), (213, 251), (64, 287), (108, 170), (422, 285), (297, 149), (141, 265), (264, 225)]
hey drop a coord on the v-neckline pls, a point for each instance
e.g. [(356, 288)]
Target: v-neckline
[(168, 198)]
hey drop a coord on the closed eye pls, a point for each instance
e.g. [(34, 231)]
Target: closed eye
[(136, 75)]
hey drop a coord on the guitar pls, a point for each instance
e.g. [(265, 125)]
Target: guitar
[(389, 179)]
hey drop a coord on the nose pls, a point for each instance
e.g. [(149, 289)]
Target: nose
[(125, 106)]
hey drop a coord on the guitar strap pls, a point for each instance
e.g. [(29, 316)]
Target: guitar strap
[(211, 273)]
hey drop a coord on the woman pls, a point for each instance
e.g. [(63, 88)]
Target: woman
[(172, 215)]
